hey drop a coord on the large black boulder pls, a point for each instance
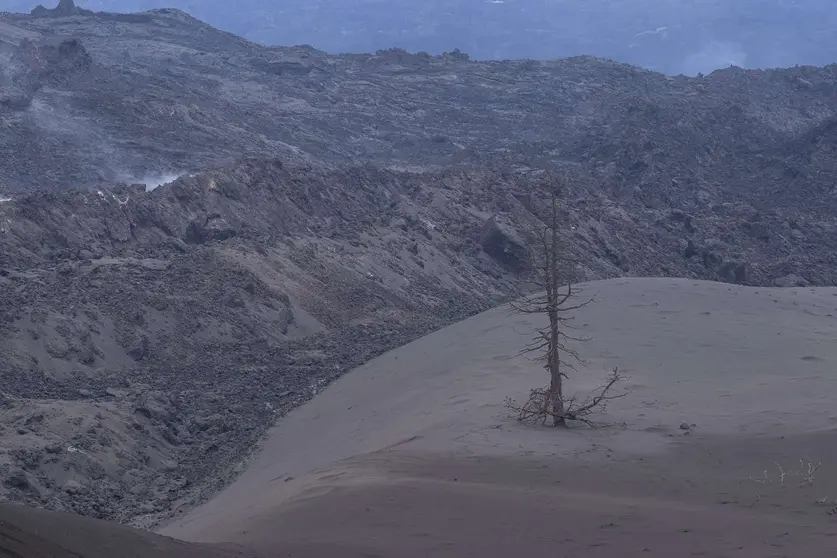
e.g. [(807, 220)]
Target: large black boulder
[(504, 245)]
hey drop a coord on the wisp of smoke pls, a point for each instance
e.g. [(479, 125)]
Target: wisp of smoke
[(152, 181), (714, 56)]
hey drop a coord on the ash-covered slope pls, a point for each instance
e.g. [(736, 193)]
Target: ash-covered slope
[(149, 338)]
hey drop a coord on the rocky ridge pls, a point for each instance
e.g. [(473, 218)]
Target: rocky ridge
[(164, 93)]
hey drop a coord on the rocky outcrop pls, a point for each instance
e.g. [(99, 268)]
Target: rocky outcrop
[(52, 60), (65, 8), (504, 245), (34, 64)]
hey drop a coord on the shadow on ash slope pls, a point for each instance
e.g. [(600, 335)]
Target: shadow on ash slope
[(150, 338)]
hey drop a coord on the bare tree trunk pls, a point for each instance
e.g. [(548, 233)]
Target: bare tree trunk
[(556, 383), (552, 340)]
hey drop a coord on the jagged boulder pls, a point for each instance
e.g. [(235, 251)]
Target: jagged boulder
[(734, 272), (215, 228), (505, 245)]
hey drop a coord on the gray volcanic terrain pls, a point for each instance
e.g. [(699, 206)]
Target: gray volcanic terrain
[(159, 93), (670, 36), (198, 233)]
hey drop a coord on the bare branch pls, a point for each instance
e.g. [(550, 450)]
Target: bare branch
[(806, 472), (539, 408), (600, 399)]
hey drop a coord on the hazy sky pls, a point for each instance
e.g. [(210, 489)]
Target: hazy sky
[(674, 36)]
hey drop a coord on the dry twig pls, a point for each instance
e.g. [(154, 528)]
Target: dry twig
[(806, 472)]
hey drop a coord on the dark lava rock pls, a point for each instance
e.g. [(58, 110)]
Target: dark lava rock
[(55, 61), (17, 480), (214, 228), (734, 272), (504, 245), (140, 349)]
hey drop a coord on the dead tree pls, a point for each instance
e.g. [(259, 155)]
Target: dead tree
[(552, 342)]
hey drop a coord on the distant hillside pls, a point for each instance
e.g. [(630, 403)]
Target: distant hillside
[(672, 36), (142, 97)]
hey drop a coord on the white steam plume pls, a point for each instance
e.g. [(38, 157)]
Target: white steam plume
[(152, 181)]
